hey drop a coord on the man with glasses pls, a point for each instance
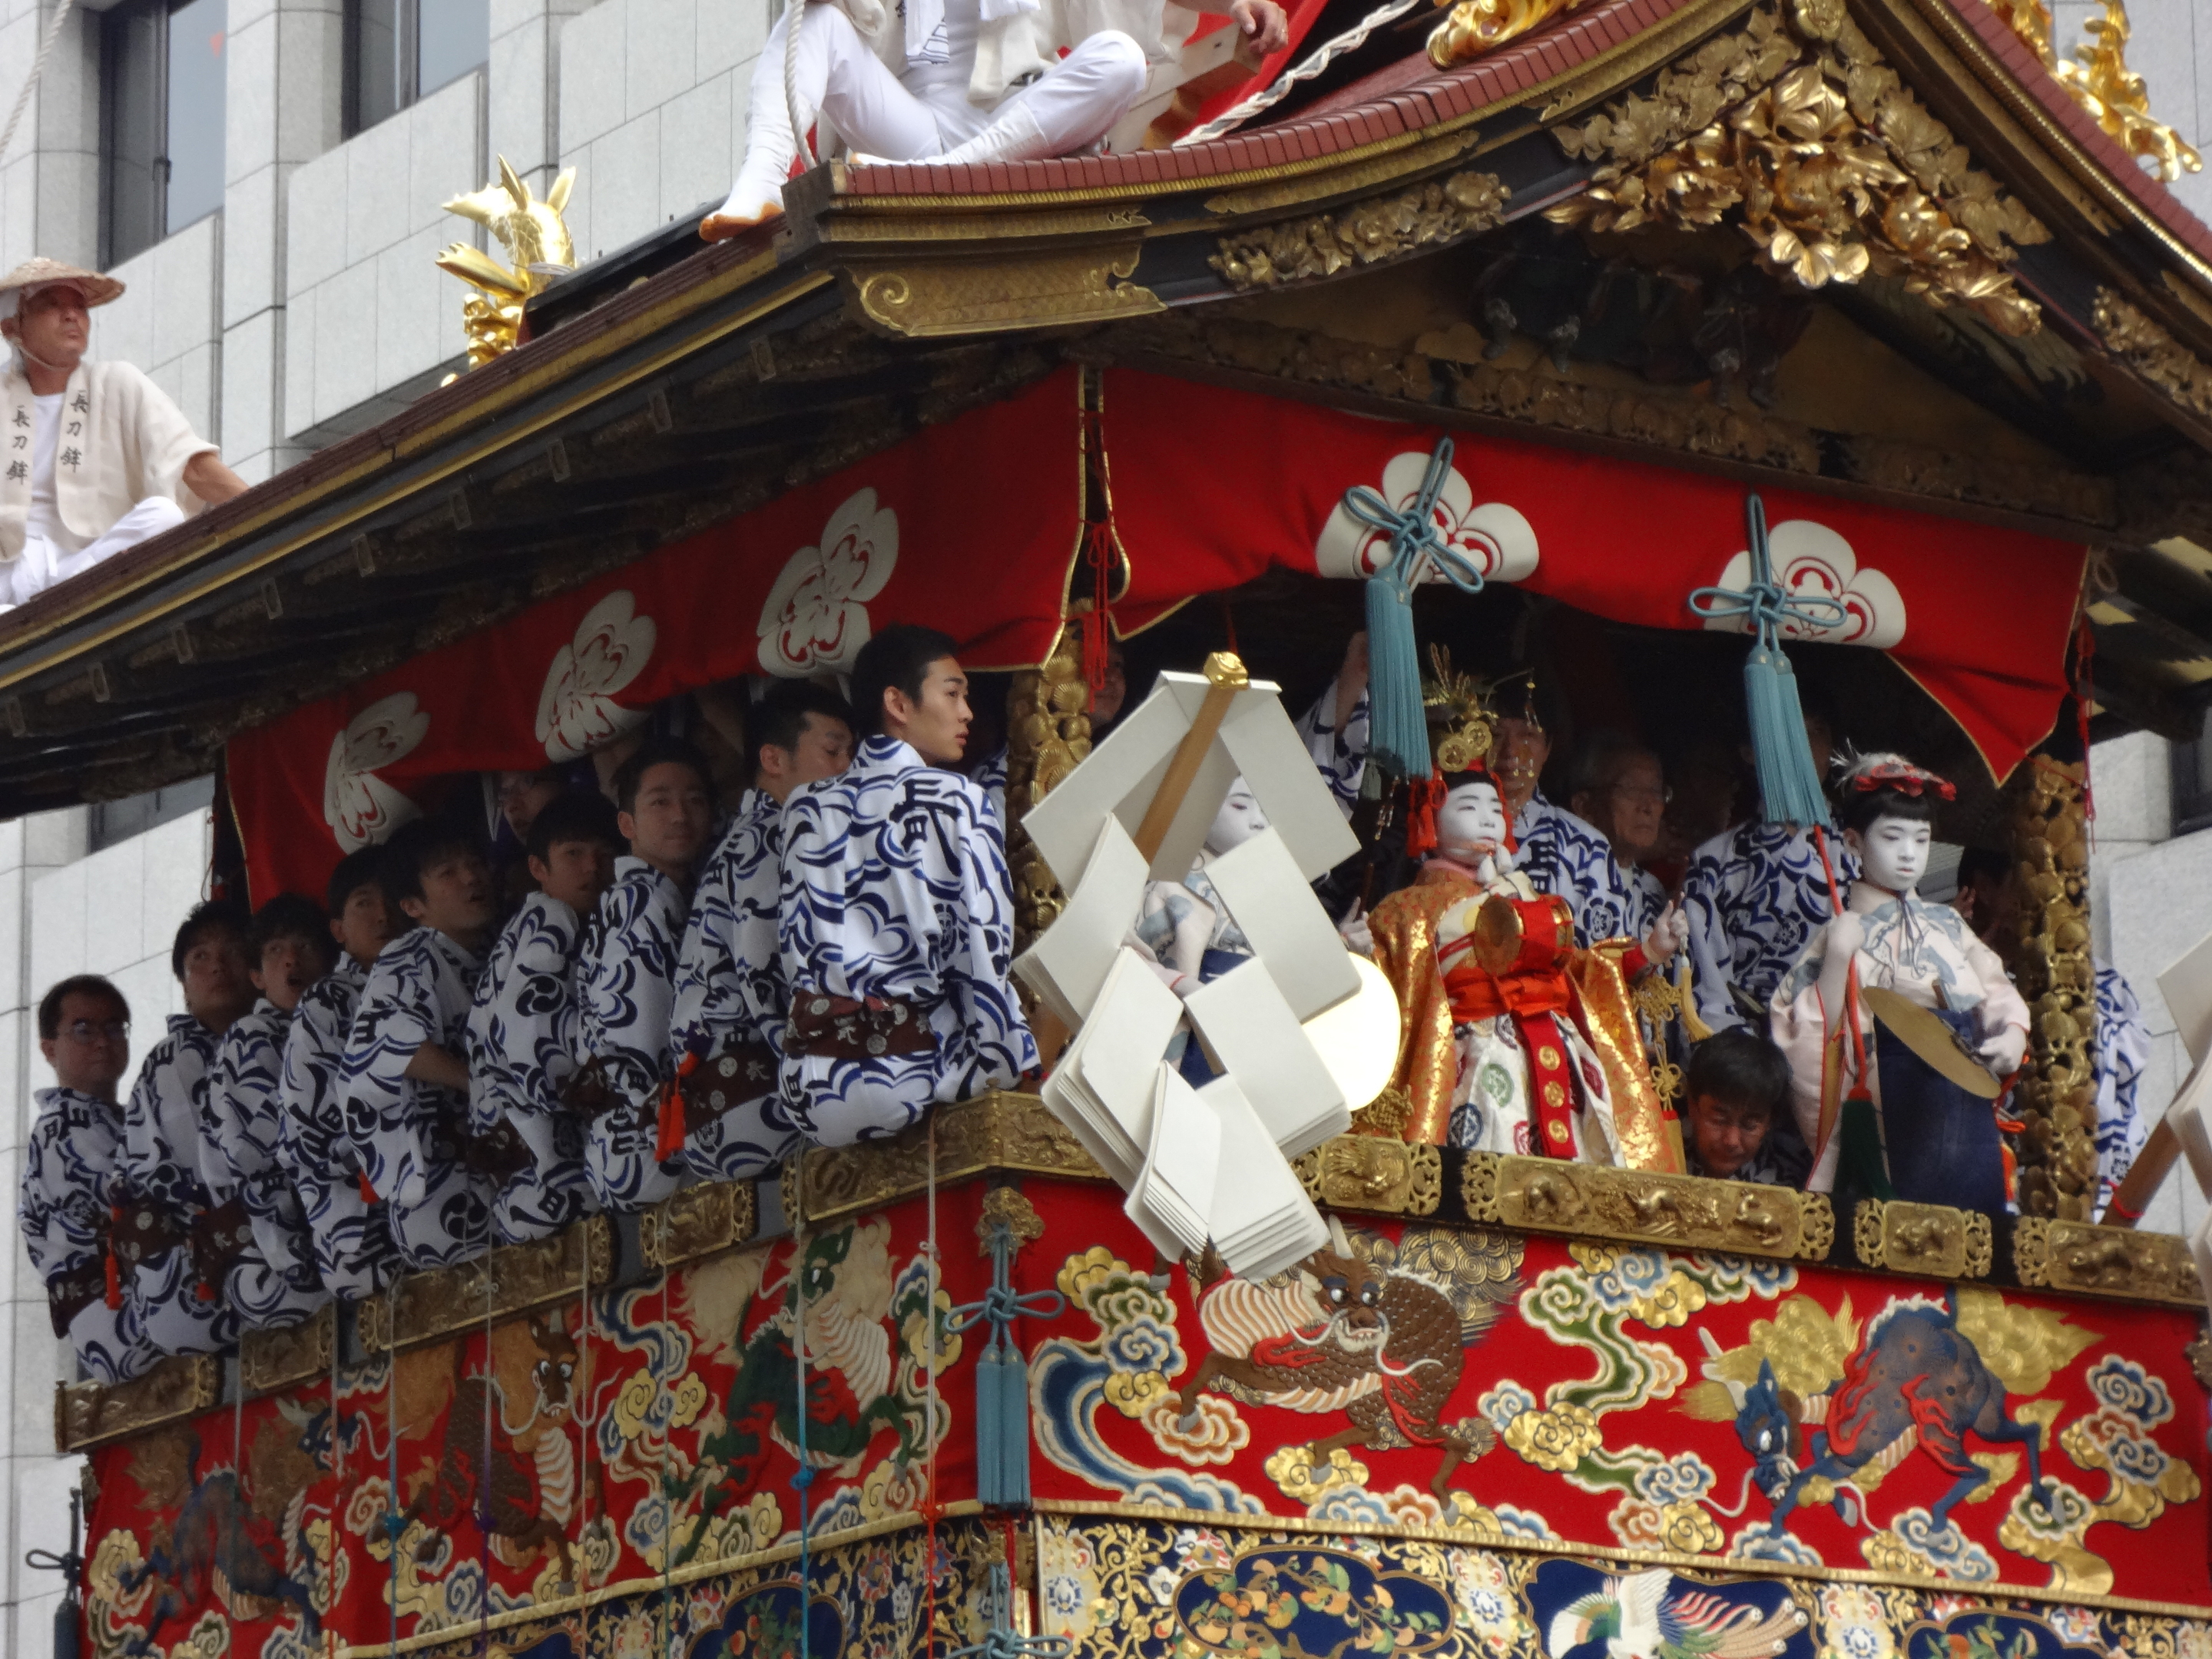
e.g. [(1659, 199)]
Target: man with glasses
[(72, 1178), (1618, 787)]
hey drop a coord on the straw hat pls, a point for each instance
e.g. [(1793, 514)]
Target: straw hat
[(33, 274)]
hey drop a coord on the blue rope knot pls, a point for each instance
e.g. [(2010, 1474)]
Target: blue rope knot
[(1002, 1640), (804, 1478), (1412, 529), (1765, 605), (1001, 1305)]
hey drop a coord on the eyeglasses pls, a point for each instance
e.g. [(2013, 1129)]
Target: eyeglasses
[(1644, 794), (85, 1031)]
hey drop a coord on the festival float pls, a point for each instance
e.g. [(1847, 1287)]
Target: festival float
[(1498, 321)]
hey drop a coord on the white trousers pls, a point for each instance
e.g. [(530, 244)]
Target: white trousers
[(43, 564)]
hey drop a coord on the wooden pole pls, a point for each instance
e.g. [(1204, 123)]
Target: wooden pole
[(2143, 1179)]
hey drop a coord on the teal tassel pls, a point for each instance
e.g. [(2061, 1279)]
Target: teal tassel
[(1398, 727), (1789, 789), (1002, 1375)]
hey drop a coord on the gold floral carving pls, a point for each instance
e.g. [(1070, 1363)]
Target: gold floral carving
[(1933, 1240), (1048, 735), (2199, 1354), (1367, 1172), (87, 1414), (2056, 1101), (2152, 352), (972, 296), (1827, 161), (1474, 26), (1543, 1195), (2115, 1261), (1301, 250), (421, 1307), (270, 1360), (1006, 1204), (697, 1221), (997, 1130), (2101, 82)]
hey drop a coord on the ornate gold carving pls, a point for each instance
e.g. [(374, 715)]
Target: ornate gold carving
[(87, 1414), (2116, 1261), (1006, 1204), (697, 1221), (270, 1360), (1545, 1195), (1474, 26), (509, 1280), (2085, 498), (2152, 352), (2056, 1101), (1834, 168), (1929, 1239), (1041, 290), (997, 1130), (2100, 80), (1367, 1172), (1047, 736), (2199, 1351), (538, 249), (1301, 250)]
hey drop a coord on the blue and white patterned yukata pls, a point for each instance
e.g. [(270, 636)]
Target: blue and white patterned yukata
[(1339, 753), (408, 1132), (70, 1167), (274, 1284), (894, 887), (354, 1255), (522, 1052), (990, 775), (162, 1160), (1569, 857), (1752, 896), (625, 989), (730, 988), (2122, 1050)]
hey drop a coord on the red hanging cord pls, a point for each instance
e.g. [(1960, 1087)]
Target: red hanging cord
[(2085, 693)]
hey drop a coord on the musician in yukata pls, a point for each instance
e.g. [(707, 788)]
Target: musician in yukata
[(1618, 787), (72, 1178), (165, 1237), (727, 1030), (273, 1282), (522, 1041), (354, 1255), (404, 1082), (1335, 727), (897, 928), (626, 973)]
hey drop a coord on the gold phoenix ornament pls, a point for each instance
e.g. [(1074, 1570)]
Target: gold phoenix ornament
[(2098, 79), (536, 241), (1472, 28), (1467, 727)]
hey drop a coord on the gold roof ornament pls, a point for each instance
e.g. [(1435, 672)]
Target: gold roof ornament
[(537, 246), (2100, 80), (1460, 708), (1472, 28)]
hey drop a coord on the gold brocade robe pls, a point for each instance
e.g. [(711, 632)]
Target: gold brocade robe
[(1404, 926)]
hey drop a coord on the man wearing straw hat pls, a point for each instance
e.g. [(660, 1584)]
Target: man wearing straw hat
[(95, 457)]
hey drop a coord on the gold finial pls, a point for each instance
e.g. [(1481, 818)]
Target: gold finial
[(1469, 727), (2100, 80), (538, 244), (1226, 668), (1472, 28)]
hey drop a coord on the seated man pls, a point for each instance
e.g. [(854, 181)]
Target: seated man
[(731, 998), (897, 929), (70, 1177), (406, 1086), (961, 81), (626, 973), (354, 1255), (522, 1030), (272, 1283), (172, 1262), (98, 458), (1619, 789), (1738, 1084)]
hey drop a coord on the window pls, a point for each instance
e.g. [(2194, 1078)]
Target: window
[(399, 51), (114, 821), (161, 114)]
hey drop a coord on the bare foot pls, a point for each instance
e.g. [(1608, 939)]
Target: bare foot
[(721, 227)]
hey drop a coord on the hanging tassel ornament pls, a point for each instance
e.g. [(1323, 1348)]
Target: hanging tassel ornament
[(1002, 1375), (1788, 787), (669, 1130), (1398, 731)]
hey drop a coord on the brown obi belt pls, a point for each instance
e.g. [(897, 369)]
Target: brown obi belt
[(144, 1230), (1513, 961), (824, 1027), (590, 1094), (70, 1294), (499, 1154), (218, 1238), (741, 1071)]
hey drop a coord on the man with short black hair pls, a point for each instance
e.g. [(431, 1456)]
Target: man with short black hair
[(626, 972), (354, 1255), (405, 1085), (1737, 1087), (522, 1034), (725, 1032), (72, 1178), (895, 932), (168, 1238)]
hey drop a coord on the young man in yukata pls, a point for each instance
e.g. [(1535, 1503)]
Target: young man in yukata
[(406, 1086), (522, 1030), (727, 1030), (71, 1177), (164, 1241), (897, 926), (274, 1284), (626, 972), (354, 1252)]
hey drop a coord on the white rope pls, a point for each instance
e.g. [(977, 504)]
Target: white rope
[(38, 68), (791, 9), (1266, 97)]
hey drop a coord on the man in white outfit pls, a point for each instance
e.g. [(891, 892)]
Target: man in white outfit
[(94, 457), (953, 81)]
